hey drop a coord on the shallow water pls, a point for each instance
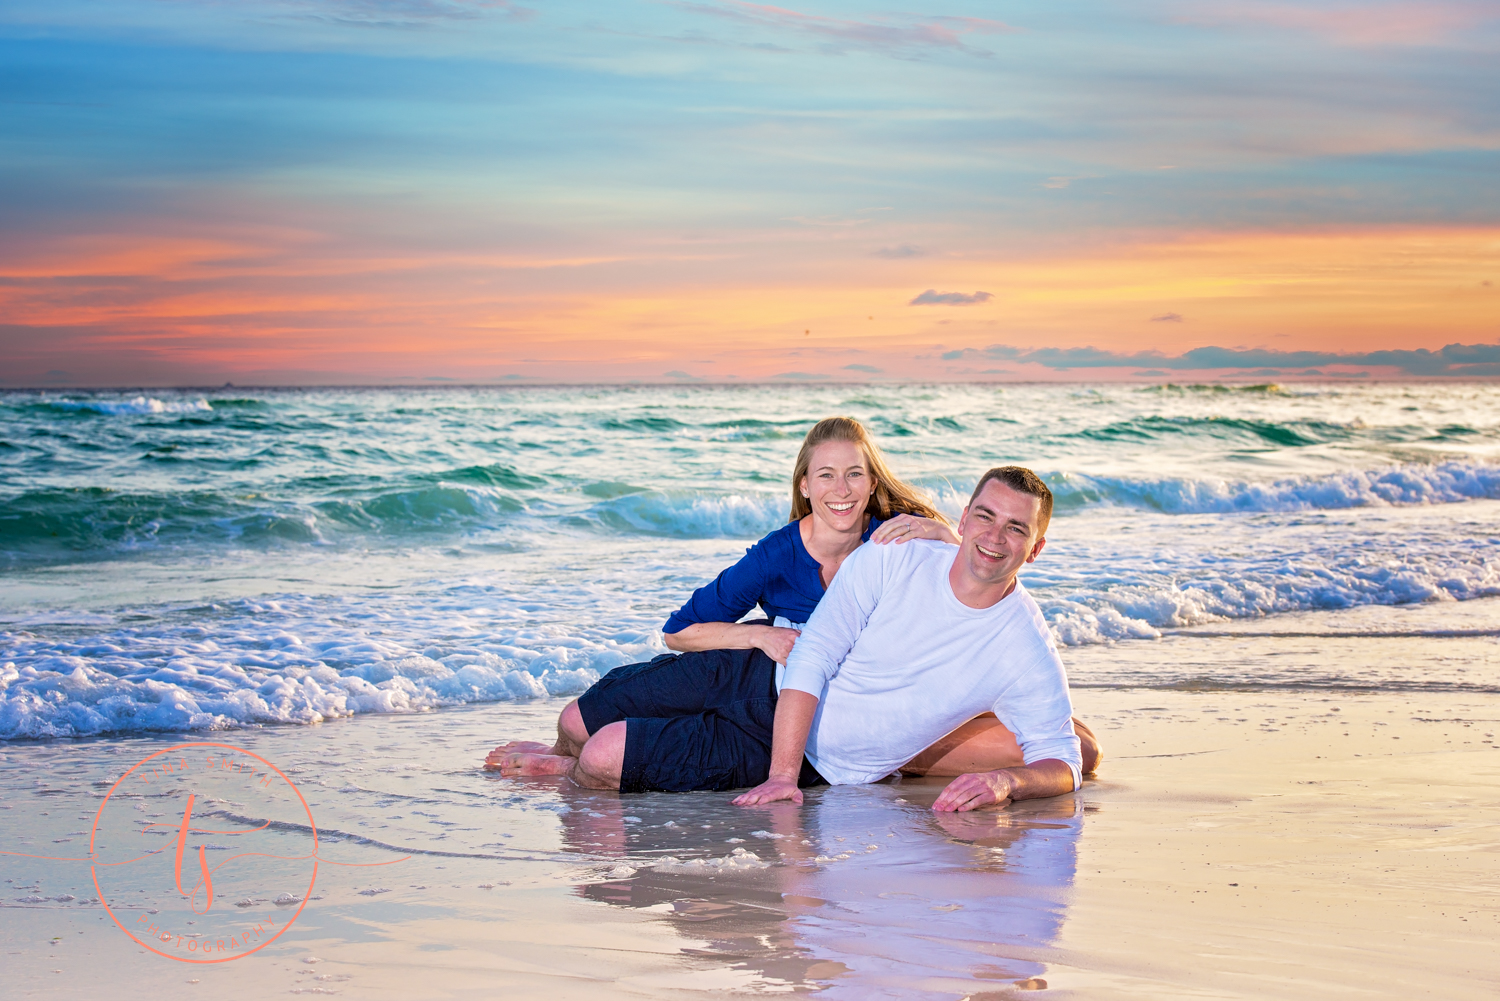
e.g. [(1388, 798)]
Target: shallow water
[(863, 886), (1237, 841), (199, 561)]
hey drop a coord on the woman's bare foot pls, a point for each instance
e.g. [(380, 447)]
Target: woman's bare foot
[(523, 763), (520, 747)]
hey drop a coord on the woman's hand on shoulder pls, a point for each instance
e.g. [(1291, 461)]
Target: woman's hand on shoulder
[(776, 642), (905, 527)]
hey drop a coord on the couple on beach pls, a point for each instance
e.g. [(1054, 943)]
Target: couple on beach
[(920, 653)]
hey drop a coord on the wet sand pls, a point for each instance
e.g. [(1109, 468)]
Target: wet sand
[(1237, 843)]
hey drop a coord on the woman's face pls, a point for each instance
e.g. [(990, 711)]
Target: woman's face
[(837, 484)]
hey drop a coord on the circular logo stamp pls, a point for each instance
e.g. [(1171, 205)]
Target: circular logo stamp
[(204, 852)]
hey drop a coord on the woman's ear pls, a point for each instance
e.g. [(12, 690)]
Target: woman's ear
[(802, 486)]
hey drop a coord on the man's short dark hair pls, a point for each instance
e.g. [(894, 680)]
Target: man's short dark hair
[(1022, 480)]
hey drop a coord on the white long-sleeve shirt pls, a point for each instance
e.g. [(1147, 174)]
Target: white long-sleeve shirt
[(897, 661)]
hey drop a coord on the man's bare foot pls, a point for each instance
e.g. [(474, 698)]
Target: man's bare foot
[(521, 763), (520, 747)]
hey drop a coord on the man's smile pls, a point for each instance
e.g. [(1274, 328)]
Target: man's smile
[(989, 552)]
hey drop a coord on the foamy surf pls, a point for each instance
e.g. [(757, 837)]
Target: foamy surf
[(134, 684)]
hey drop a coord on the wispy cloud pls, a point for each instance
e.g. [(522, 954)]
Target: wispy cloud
[(1355, 22), (893, 35), (827, 221), (932, 297), (801, 376), (870, 369), (1454, 360), (1167, 318), (900, 251), (397, 13)]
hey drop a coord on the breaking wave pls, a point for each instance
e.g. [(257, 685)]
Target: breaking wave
[(254, 667), (138, 405), (1440, 483)]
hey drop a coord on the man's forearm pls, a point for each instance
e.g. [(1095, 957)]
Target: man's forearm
[(1038, 780), (794, 716)]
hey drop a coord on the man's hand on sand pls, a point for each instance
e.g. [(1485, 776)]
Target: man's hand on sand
[(975, 790), (770, 791)]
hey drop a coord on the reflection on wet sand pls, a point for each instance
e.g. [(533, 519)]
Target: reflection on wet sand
[(859, 892)]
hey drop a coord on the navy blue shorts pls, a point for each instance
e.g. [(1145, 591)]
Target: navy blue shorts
[(692, 721)]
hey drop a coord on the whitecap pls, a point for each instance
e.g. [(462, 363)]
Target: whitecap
[(138, 405)]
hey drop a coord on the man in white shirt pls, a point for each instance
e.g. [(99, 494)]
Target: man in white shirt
[(909, 643)]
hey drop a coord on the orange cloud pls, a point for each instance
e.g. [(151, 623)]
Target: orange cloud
[(266, 302)]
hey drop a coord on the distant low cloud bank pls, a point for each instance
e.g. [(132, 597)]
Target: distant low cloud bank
[(901, 251), (932, 297), (1457, 360)]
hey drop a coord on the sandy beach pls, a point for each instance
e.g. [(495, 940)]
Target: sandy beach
[(1238, 843)]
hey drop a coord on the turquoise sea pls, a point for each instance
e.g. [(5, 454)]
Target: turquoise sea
[(190, 561)]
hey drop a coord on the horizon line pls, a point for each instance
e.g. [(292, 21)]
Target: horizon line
[(541, 383)]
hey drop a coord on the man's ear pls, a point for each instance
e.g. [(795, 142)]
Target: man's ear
[(961, 519), (1036, 550)]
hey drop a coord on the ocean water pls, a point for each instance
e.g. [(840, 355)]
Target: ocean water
[(213, 560)]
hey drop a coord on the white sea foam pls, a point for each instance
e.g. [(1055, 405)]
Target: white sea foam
[(1112, 577), (739, 860), (138, 405), (248, 672)]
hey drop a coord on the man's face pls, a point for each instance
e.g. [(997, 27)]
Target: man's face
[(999, 533)]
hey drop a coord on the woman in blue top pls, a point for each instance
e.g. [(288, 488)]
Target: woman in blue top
[(842, 496)]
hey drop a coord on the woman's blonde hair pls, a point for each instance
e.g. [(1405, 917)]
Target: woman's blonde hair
[(890, 497)]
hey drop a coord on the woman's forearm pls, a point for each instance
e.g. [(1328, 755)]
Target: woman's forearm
[(714, 636), (774, 641)]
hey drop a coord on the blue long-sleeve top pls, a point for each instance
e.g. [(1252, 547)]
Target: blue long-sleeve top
[(777, 573)]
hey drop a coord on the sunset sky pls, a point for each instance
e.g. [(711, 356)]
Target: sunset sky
[(419, 191)]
